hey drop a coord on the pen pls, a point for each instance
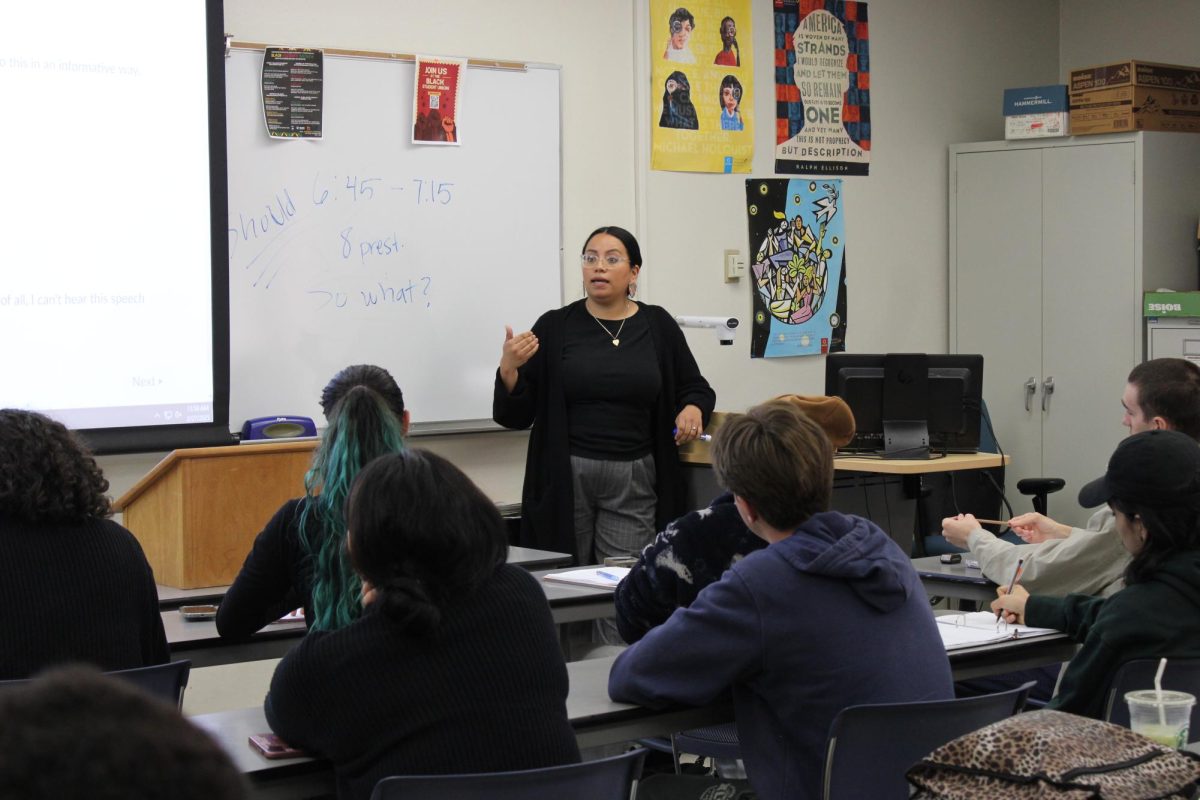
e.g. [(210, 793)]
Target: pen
[(608, 575), (704, 437), (1016, 576)]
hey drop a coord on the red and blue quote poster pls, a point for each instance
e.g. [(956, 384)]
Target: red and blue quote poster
[(822, 87), (436, 108)]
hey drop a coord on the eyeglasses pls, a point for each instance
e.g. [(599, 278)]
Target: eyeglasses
[(592, 260)]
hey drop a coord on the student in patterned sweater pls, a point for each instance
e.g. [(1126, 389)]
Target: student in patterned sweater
[(454, 665)]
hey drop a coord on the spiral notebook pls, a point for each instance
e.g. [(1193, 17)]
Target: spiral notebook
[(606, 577), (982, 627)]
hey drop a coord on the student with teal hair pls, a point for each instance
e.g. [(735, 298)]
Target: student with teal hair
[(298, 560)]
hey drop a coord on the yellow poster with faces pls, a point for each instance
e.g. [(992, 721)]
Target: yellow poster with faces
[(701, 86)]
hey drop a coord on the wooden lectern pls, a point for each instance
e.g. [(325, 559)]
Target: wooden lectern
[(196, 513)]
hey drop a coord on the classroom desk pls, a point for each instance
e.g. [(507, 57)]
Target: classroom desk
[(528, 557), (199, 641), (597, 720), (954, 580)]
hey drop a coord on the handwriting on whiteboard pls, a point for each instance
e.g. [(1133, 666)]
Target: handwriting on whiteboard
[(350, 220)]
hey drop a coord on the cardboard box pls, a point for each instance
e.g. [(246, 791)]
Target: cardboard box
[(1135, 73), (1035, 126), (1134, 108)]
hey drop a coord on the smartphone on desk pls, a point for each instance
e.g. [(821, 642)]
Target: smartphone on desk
[(271, 746), (198, 612)]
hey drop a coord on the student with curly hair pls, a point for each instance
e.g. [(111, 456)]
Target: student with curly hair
[(298, 559), (74, 585), (454, 665)]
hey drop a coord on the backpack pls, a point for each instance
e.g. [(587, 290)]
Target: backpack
[(1052, 754)]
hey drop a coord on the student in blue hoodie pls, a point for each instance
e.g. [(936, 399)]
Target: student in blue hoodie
[(829, 614)]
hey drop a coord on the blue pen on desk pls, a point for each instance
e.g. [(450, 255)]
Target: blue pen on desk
[(704, 437), (608, 575)]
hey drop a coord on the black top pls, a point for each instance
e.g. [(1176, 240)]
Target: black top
[(539, 399), (486, 693), (276, 578), (611, 390), (78, 591)]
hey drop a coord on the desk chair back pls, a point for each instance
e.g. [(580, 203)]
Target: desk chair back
[(1181, 675), (717, 741), (164, 681), (871, 746), (603, 779)]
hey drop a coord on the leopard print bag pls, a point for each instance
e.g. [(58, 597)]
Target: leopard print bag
[(1051, 754)]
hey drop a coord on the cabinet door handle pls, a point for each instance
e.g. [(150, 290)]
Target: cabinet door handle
[(1030, 390), (1047, 390)]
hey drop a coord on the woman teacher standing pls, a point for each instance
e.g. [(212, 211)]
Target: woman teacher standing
[(611, 391)]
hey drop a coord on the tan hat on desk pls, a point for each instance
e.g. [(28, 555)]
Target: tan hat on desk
[(831, 413)]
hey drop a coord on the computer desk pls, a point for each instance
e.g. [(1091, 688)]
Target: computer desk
[(597, 720), (528, 557), (198, 640)]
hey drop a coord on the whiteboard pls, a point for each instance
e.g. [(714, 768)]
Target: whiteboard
[(361, 247)]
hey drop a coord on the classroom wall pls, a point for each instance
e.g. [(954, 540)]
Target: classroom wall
[(938, 71), (1102, 31)]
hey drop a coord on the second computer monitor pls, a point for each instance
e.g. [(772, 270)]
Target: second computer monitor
[(907, 405)]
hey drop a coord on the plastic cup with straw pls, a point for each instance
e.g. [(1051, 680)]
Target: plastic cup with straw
[(1161, 715)]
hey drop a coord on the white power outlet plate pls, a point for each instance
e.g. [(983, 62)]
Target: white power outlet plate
[(735, 265)]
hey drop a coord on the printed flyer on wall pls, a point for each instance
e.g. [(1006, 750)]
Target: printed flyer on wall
[(436, 108), (701, 86), (797, 235), (823, 87), (293, 92)]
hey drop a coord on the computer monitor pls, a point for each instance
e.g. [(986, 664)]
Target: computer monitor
[(907, 405)]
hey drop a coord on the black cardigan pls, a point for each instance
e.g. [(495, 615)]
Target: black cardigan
[(538, 399), (76, 591)]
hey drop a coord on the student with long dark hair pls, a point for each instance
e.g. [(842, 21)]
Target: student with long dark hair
[(298, 559), (74, 585), (454, 665), (1152, 486)]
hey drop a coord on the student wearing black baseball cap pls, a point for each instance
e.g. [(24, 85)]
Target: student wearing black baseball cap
[(1153, 487)]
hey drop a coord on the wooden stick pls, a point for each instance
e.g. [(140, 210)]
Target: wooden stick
[(991, 521)]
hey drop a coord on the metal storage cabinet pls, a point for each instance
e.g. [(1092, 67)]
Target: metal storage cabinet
[(1051, 245)]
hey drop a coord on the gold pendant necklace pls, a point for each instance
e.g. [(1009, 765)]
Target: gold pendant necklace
[(616, 338)]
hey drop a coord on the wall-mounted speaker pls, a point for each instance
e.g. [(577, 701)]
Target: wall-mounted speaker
[(278, 428)]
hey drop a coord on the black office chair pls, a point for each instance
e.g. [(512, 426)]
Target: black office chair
[(871, 747), (717, 741), (164, 681), (1039, 488), (603, 779)]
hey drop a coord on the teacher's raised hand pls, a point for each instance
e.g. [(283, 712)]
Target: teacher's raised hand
[(517, 350)]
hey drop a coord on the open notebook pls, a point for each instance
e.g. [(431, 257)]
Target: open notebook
[(607, 577), (981, 627)]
